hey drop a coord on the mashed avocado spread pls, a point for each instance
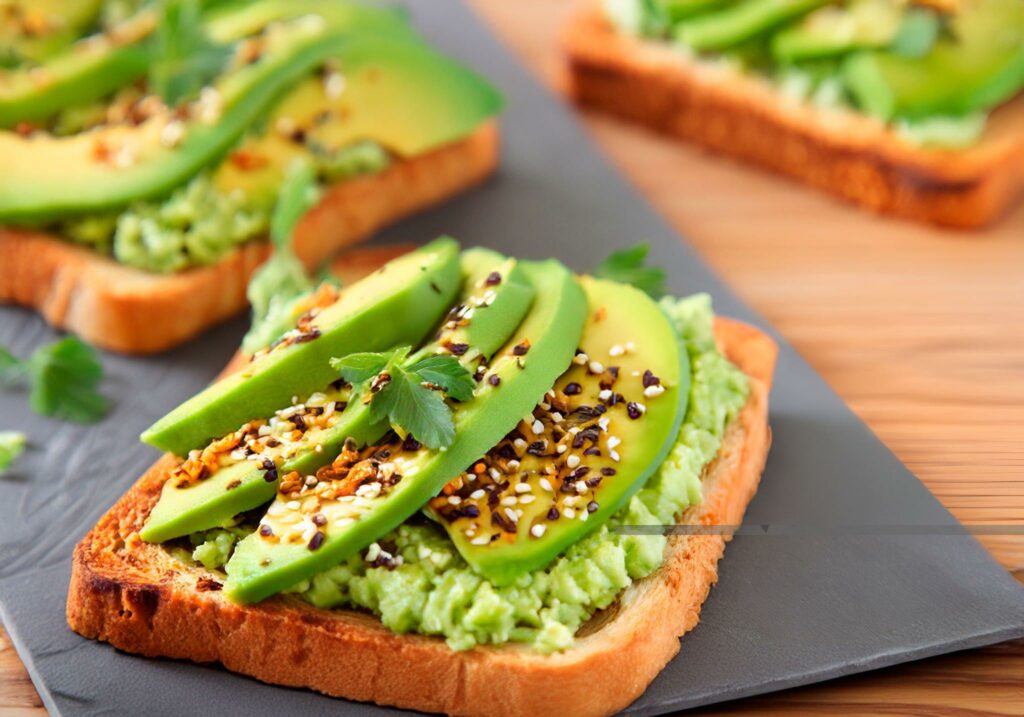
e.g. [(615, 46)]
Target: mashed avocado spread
[(426, 587)]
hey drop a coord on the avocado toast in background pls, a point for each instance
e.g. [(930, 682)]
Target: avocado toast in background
[(909, 108), (144, 143), (467, 549)]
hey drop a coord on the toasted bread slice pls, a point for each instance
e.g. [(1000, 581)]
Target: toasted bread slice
[(131, 311), (846, 153), (140, 599)]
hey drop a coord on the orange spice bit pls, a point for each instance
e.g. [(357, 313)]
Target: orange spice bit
[(600, 314), (456, 483), (248, 161), (24, 129), (101, 151), (291, 483)]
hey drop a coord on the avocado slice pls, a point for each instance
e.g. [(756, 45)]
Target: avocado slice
[(837, 30), (603, 431), (496, 296), (977, 66), (308, 531), (397, 304), (228, 23), (32, 30), (676, 10), (114, 165), (735, 24), (401, 95)]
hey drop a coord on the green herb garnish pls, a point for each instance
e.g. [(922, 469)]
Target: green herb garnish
[(12, 443), (627, 266), (185, 59), (275, 286), (62, 378), (408, 394)]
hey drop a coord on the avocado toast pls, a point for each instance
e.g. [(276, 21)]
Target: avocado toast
[(144, 150), (484, 555), (907, 108)]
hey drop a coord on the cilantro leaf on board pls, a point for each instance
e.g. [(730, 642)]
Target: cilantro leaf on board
[(627, 266), (12, 443), (62, 378), (185, 59), (448, 373)]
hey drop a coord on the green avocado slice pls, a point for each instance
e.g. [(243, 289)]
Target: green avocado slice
[(837, 30), (594, 440), (495, 298), (977, 66), (114, 165), (730, 26), (398, 304), (300, 536), (33, 30)]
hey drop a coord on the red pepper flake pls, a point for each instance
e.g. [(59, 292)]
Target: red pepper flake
[(248, 161)]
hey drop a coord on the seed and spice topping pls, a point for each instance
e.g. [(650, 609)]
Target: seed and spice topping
[(551, 467)]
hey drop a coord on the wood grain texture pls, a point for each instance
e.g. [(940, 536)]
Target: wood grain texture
[(921, 331)]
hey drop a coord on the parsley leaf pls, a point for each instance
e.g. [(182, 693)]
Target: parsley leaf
[(627, 266), (63, 377), (185, 59), (12, 443), (361, 367), (277, 285), (402, 399), (415, 409), (448, 373)]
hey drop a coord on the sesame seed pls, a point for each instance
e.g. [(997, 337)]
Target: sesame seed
[(572, 461), (630, 346), (334, 85), (613, 441), (572, 389), (580, 486), (495, 473), (513, 464), (605, 394), (538, 530), (527, 499), (655, 390), (634, 410), (603, 423), (520, 444), (553, 513), (511, 515), (580, 359), (596, 367), (509, 500), (545, 484), (561, 448), (478, 494), (454, 500), (480, 540), (584, 515), (523, 488), (557, 417), (373, 552), (614, 455), (616, 350), (292, 505), (537, 427), (569, 513)]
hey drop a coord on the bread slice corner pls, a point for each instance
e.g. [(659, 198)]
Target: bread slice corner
[(845, 153), (130, 311), (139, 599)]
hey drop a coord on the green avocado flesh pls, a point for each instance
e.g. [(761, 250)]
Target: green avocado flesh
[(309, 530), (595, 438), (33, 30), (398, 304), (738, 23), (496, 286), (979, 65), (837, 30)]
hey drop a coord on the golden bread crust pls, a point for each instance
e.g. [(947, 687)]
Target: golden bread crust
[(138, 598), (130, 311), (848, 154)]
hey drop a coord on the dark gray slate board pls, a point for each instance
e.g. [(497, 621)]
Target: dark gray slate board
[(820, 594)]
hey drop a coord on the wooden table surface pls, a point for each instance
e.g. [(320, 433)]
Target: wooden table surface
[(920, 331)]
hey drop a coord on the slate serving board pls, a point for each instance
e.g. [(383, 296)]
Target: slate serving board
[(847, 563)]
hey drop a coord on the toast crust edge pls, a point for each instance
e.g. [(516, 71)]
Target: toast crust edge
[(137, 598), (130, 311), (849, 155)]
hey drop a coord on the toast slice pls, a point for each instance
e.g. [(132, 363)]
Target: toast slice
[(135, 312), (846, 153), (138, 598)]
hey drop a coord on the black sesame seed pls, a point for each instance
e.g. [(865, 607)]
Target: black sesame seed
[(553, 513), (471, 511), (521, 349), (410, 444), (536, 448), (494, 379), (572, 389), (633, 410), (592, 451), (650, 379), (317, 540), (493, 278), (580, 472), (592, 506), (458, 349), (320, 519), (608, 471), (271, 470), (266, 531)]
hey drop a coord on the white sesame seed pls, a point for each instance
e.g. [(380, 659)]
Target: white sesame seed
[(373, 552), (527, 499), (334, 85), (572, 461), (292, 505), (538, 530), (569, 513), (596, 367), (616, 350), (603, 422), (481, 540), (511, 515), (520, 444), (478, 494), (614, 455), (509, 500), (560, 448), (574, 430), (581, 486), (319, 448), (584, 515), (523, 488), (550, 393), (641, 407), (652, 391), (557, 417), (311, 481), (545, 405), (495, 473), (342, 522), (630, 346), (580, 359), (613, 441), (636, 373), (546, 485), (605, 394), (172, 133), (454, 500), (513, 464), (538, 428)]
